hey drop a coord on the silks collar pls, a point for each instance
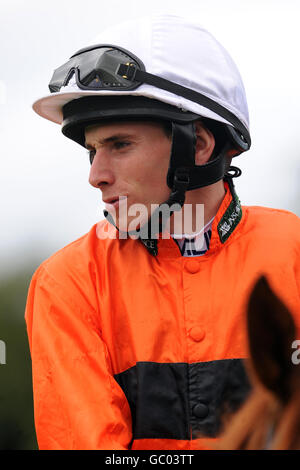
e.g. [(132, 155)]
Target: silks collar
[(231, 216), (227, 219), (225, 222)]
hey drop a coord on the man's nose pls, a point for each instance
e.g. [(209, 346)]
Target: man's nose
[(101, 172)]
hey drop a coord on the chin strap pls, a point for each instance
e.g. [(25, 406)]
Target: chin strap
[(183, 175), (177, 198), (232, 172), (182, 158), (175, 203)]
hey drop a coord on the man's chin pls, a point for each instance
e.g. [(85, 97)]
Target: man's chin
[(130, 226), (128, 219), (135, 221)]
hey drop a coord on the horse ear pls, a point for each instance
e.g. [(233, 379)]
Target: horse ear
[(271, 331)]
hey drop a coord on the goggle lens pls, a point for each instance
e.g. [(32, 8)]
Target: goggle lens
[(96, 69)]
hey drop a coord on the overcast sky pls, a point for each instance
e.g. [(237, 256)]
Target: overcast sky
[(46, 201)]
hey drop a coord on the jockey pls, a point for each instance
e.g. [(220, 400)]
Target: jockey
[(136, 329)]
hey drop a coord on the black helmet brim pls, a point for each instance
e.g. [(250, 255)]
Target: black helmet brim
[(83, 112)]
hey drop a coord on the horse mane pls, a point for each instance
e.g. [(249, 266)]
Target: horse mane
[(270, 417)]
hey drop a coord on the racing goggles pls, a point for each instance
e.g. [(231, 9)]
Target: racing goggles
[(108, 67), (98, 68)]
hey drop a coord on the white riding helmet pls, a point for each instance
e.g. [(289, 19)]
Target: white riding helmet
[(158, 67)]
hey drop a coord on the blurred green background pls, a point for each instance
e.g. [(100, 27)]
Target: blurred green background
[(16, 403)]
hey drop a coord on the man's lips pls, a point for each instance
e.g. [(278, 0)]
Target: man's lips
[(114, 201)]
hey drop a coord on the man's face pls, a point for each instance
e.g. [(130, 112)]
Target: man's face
[(131, 160)]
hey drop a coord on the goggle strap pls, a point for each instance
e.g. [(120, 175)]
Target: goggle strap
[(131, 73)]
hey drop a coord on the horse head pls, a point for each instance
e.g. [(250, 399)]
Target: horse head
[(270, 417)]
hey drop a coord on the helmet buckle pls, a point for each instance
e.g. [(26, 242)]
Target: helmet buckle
[(181, 179)]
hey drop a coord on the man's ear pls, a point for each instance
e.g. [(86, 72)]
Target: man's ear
[(205, 143)]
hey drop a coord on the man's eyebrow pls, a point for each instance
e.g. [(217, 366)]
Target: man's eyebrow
[(110, 139)]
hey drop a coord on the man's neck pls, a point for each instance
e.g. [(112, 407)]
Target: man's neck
[(200, 206)]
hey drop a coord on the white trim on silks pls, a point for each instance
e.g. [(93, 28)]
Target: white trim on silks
[(195, 244)]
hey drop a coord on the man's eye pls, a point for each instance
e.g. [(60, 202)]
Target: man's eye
[(116, 145), (121, 144), (91, 154)]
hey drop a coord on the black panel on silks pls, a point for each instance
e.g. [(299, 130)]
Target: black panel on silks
[(165, 399)]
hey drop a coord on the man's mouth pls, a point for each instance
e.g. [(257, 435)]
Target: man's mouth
[(114, 201)]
